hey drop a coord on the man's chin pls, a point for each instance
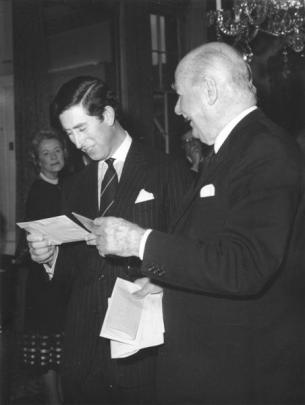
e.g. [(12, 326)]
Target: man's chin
[(93, 157), (90, 153)]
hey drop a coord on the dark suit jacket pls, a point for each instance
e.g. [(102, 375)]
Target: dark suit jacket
[(234, 306), (91, 277)]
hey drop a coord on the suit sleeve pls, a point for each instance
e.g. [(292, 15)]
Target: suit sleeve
[(246, 253), (67, 259)]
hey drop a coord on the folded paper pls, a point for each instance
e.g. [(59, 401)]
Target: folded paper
[(58, 230), (86, 222), (132, 323)]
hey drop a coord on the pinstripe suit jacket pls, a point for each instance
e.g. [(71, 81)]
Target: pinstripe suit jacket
[(91, 277)]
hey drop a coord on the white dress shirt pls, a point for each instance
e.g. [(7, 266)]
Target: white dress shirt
[(225, 132)]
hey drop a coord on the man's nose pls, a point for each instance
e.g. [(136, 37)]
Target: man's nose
[(78, 139)]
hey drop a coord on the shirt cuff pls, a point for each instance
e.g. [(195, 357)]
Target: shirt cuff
[(143, 243), (50, 269)]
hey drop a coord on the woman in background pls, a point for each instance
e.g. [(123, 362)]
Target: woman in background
[(193, 150), (45, 302)]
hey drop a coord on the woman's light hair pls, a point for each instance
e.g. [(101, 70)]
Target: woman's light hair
[(39, 137)]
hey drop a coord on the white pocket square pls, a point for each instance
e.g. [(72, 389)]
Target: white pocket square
[(207, 191), (144, 196)]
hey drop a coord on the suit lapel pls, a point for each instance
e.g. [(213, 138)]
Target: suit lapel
[(84, 199), (92, 194), (206, 176)]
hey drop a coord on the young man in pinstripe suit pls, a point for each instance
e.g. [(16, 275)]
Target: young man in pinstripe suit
[(88, 113)]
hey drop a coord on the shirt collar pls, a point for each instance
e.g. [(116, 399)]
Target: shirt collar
[(121, 153), (45, 178), (225, 132)]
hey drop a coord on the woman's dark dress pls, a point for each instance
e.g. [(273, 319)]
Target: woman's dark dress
[(45, 301)]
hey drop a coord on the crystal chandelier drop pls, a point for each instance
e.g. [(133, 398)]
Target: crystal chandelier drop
[(284, 19)]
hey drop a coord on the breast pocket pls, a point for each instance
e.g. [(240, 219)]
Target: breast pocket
[(149, 214), (143, 212), (206, 217)]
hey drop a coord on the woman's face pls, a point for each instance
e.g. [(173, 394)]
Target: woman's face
[(51, 157)]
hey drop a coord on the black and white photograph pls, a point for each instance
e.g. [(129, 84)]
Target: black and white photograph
[(152, 206)]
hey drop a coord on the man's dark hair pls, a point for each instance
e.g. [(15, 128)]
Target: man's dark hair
[(92, 93)]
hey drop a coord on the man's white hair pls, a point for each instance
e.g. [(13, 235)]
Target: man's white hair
[(221, 62)]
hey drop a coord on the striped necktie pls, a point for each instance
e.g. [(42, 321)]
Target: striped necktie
[(108, 188)]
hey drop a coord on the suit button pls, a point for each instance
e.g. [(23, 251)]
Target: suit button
[(151, 268), (101, 276)]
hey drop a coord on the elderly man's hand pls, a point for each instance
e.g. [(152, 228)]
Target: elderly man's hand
[(115, 236), (147, 287), (41, 250)]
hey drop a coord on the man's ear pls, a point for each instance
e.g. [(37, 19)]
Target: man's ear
[(211, 91), (109, 115)]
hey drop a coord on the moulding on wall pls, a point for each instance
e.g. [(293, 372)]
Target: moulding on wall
[(75, 48)]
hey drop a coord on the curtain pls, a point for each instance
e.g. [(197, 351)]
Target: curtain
[(30, 56)]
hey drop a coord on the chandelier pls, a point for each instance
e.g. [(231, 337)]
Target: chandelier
[(284, 19)]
